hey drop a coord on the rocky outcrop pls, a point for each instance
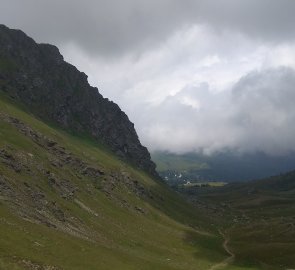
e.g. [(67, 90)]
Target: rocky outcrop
[(54, 90)]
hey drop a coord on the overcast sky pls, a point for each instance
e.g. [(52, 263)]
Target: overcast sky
[(193, 75)]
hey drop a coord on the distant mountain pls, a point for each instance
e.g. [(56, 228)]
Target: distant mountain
[(227, 166), (56, 91)]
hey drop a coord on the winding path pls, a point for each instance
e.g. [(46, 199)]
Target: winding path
[(228, 260)]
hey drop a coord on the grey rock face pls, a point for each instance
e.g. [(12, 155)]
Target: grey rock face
[(56, 91)]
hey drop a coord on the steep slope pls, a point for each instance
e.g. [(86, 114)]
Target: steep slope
[(65, 203), (37, 75)]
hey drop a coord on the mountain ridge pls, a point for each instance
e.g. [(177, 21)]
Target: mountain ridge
[(54, 90)]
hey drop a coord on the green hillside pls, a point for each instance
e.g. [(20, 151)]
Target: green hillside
[(66, 203), (261, 220)]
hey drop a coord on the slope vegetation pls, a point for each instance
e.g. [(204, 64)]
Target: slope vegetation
[(260, 226), (67, 203)]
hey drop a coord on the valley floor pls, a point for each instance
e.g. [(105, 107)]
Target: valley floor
[(257, 221)]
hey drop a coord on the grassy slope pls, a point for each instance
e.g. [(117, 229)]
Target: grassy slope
[(261, 220), (112, 234)]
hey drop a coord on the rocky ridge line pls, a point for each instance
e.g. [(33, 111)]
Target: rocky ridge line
[(54, 90)]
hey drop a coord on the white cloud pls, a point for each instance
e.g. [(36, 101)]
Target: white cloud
[(265, 112), (256, 115), (192, 75), (180, 94)]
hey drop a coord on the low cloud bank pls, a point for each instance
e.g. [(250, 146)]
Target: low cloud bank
[(257, 114)]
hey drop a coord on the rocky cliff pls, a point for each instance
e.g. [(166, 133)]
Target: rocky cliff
[(54, 90)]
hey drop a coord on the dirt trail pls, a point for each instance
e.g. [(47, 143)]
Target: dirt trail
[(228, 260)]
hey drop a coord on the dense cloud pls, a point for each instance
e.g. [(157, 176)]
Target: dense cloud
[(194, 75), (265, 111), (256, 115), (109, 27)]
